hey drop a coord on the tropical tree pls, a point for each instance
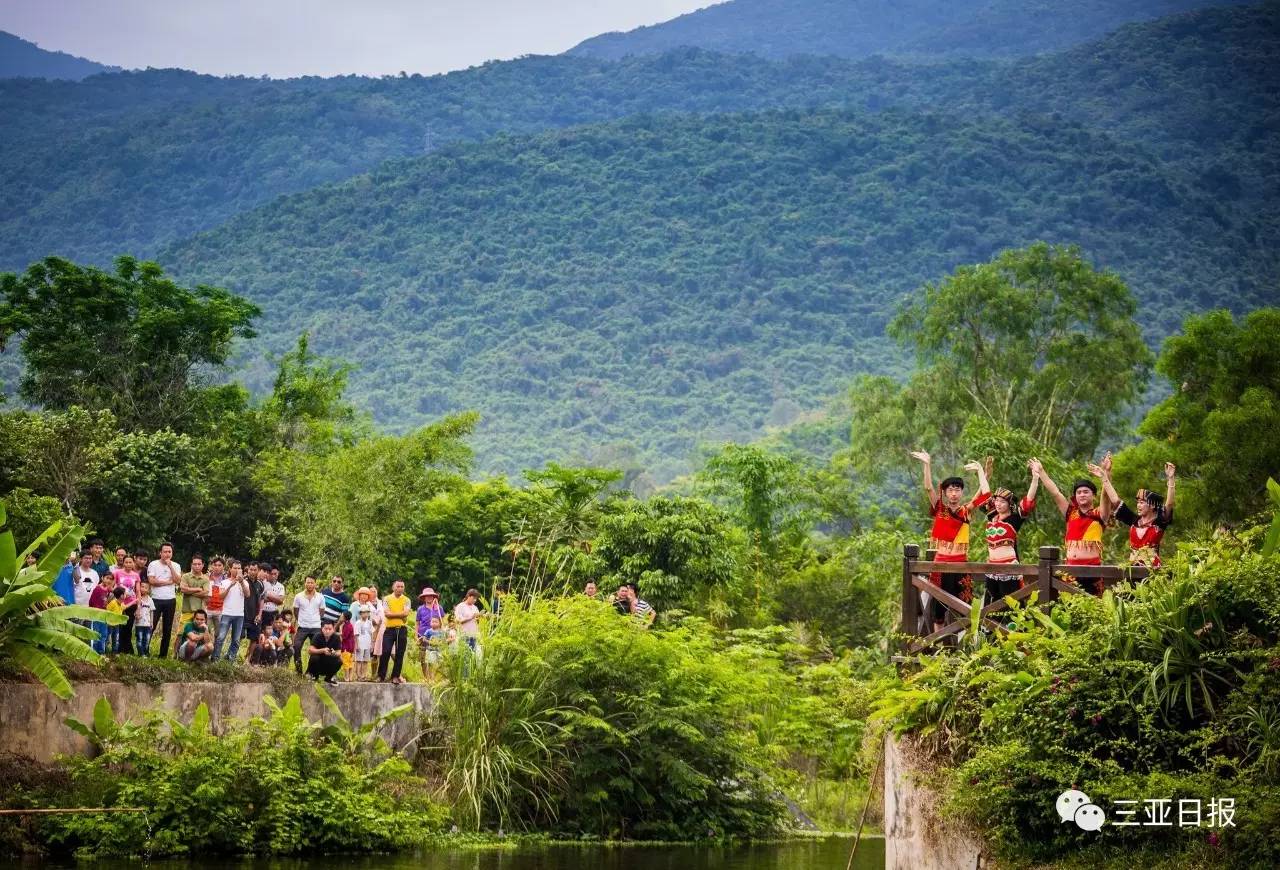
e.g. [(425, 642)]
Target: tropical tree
[(683, 552), (35, 626), (131, 340), (1036, 339), (1219, 423)]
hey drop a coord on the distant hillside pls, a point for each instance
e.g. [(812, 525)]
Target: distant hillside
[(133, 161), (661, 281), (860, 28), (22, 59)]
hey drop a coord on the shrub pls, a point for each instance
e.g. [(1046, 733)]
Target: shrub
[(273, 785)]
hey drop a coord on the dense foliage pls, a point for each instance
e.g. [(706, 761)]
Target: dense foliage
[(1224, 379), (276, 785), (578, 721), (1167, 691), (515, 296), (858, 28)]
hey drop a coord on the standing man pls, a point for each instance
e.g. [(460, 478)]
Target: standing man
[(194, 586), (235, 594), (1085, 522), (336, 601), (85, 579), (949, 537), (252, 606), (164, 575), (398, 609), (272, 594), (97, 548), (308, 615)]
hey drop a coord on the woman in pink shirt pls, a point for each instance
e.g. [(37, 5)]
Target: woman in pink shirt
[(126, 575)]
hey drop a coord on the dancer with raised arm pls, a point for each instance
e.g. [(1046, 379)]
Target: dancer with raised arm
[(1085, 521), (1153, 517), (949, 537), (1005, 516)]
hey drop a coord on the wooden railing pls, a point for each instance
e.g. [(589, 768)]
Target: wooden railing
[(1051, 579)]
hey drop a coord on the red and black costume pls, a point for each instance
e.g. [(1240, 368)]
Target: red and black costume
[(1084, 538), (1002, 542), (1145, 537), (949, 539)]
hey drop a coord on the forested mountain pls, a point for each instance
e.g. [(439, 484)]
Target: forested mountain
[(132, 161), (665, 280), (860, 28), (22, 59)]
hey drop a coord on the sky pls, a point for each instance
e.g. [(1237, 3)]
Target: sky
[(284, 38)]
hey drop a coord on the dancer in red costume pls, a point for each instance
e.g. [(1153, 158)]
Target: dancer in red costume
[(949, 536), (1153, 517), (1085, 521), (1005, 516)]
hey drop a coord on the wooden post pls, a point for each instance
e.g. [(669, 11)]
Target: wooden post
[(910, 598), (1048, 562)]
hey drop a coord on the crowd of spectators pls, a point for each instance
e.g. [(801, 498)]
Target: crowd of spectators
[(226, 609)]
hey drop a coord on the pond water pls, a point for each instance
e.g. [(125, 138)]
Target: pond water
[(828, 853)]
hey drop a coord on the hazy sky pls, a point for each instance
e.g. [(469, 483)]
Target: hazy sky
[(321, 37)]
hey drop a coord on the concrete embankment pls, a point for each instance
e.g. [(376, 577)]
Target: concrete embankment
[(917, 834), (32, 718)]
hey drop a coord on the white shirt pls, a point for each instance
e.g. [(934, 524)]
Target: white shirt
[(271, 588), (83, 580), (232, 596), (364, 634), (309, 609), (157, 569)]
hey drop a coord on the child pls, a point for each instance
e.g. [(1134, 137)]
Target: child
[(263, 653), (98, 599), (144, 617), (213, 604), (432, 642), (114, 605), (364, 643), (283, 640), (348, 645)]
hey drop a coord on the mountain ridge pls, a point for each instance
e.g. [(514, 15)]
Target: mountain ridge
[(860, 28), (21, 58), (134, 161), (667, 280)]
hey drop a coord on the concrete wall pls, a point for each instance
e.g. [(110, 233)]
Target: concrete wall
[(31, 717), (916, 834)]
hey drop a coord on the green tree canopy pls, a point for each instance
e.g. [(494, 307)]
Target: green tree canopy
[(131, 341), (1220, 425), (1037, 339)]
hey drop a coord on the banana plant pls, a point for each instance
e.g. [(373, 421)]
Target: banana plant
[(36, 627), (1273, 534), (362, 740)]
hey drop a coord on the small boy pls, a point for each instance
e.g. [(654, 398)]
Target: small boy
[(286, 632), (348, 645), (364, 642), (115, 605), (433, 641), (263, 652), (143, 617)]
